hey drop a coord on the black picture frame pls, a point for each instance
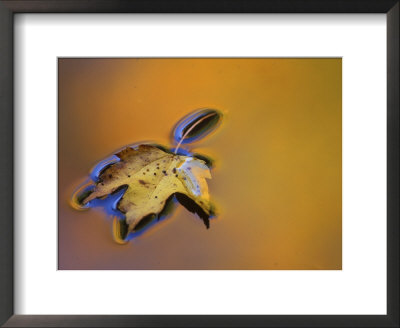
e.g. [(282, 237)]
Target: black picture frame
[(7, 201)]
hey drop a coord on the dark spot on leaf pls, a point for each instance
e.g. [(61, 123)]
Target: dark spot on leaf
[(174, 170), (142, 182), (155, 173), (110, 176), (176, 175), (125, 186), (129, 176), (155, 197)]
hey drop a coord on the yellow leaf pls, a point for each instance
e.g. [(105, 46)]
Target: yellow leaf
[(151, 176)]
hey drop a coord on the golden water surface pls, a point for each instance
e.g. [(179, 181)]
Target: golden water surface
[(276, 182)]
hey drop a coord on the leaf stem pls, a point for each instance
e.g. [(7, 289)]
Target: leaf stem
[(190, 129)]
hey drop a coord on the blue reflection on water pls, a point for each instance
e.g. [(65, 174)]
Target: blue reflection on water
[(101, 166), (181, 151), (188, 120), (110, 203)]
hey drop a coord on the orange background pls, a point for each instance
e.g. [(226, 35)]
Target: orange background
[(277, 175)]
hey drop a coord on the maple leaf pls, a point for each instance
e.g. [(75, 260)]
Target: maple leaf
[(150, 176), (145, 179)]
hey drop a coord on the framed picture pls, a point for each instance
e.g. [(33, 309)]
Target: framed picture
[(190, 164)]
